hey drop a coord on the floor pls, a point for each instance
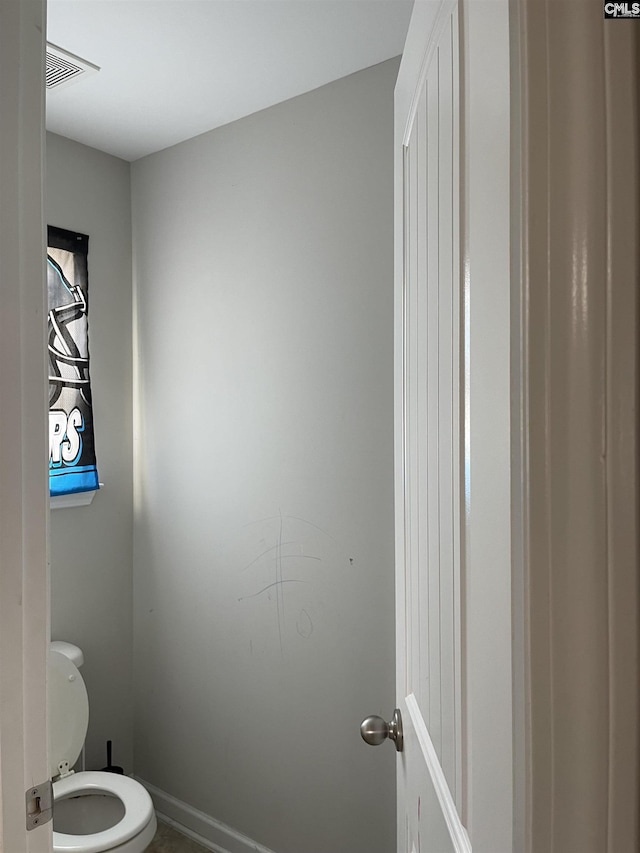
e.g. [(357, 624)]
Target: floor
[(167, 840)]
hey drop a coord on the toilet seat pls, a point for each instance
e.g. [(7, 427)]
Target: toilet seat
[(136, 801), (68, 715)]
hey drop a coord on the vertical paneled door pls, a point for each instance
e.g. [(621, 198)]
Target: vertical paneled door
[(453, 688), (429, 413)]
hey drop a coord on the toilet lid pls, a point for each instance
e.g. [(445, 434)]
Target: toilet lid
[(68, 712), (136, 800)]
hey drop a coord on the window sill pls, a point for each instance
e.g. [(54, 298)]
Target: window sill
[(65, 501)]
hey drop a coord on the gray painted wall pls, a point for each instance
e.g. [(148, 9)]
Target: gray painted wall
[(263, 544), (92, 547)]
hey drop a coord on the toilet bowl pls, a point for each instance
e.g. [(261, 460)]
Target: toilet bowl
[(93, 811), (97, 812)]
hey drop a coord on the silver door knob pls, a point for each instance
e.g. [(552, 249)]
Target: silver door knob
[(374, 730)]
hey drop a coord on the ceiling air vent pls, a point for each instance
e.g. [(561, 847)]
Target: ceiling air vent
[(63, 68)]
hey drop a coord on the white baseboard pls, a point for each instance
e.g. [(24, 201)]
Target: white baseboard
[(212, 834)]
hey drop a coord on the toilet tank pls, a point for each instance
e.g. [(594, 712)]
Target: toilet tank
[(69, 651)]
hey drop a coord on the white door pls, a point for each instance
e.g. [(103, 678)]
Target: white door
[(453, 431), (24, 508)]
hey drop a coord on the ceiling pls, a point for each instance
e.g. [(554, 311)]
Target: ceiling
[(172, 69)]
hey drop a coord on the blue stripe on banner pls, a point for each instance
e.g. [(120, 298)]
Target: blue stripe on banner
[(75, 469), (70, 481)]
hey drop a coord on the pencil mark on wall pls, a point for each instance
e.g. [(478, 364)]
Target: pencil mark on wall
[(265, 572), (268, 551), (304, 625), (269, 586), (280, 585), (292, 518), (300, 557), (227, 746), (311, 524)]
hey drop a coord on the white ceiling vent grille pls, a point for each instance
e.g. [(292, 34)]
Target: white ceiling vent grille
[(63, 68)]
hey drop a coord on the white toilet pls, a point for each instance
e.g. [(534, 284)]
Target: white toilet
[(93, 811)]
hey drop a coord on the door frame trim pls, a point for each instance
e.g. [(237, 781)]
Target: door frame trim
[(577, 88), (489, 616), (24, 492)]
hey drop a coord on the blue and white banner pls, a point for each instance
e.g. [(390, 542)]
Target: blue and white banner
[(72, 460)]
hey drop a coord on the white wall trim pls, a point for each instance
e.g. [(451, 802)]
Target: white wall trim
[(457, 832), (24, 511), (201, 827)]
